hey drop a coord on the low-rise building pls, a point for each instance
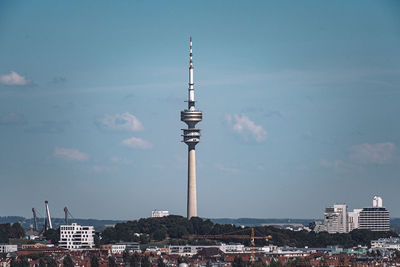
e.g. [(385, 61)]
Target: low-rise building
[(386, 243), (114, 248), (159, 213), (131, 246), (6, 248)]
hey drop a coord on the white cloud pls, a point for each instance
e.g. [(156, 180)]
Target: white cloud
[(121, 122), (99, 168), (379, 153), (13, 78), (135, 142), (119, 160), (243, 125), (12, 118), (223, 168), (70, 154)]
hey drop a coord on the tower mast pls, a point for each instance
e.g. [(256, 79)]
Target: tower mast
[(191, 136)]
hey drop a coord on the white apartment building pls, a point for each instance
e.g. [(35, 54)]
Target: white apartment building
[(375, 218), (6, 248), (386, 243), (76, 237), (335, 219), (159, 213), (353, 218)]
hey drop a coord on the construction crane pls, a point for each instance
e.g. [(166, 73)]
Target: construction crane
[(66, 211), (66, 215), (35, 225), (234, 235), (48, 224)]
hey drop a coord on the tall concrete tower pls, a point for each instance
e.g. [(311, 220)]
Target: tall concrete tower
[(191, 136)]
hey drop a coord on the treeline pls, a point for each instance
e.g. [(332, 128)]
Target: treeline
[(283, 237), (8, 231), (158, 229), (176, 227)]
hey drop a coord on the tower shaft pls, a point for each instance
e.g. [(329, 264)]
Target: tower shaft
[(192, 194)]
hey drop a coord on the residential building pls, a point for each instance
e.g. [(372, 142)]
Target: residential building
[(353, 218), (375, 218), (6, 248), (386, 243), (335, 218), (159, 213), (131, 246), (75, 236), (114, 248)]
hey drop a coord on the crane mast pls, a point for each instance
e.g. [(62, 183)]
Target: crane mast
[(35, 225), (66, 215)]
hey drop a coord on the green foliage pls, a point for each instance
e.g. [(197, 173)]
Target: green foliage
[(67, 261), (238, 262), (111, 262), (145, 262), (259, 263), (24, 262), (8, 231), (53, 235), (298, 262), (175, 227), (94, 261), (160, 262), (275, 263), (134, 260), (51, 262)]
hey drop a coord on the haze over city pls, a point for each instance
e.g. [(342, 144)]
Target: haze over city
[(300, 106)]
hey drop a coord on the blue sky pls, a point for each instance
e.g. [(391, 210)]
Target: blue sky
[(300, 104)]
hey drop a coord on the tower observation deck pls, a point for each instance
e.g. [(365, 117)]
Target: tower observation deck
[(191, 136)]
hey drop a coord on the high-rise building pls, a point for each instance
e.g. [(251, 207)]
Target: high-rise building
[(75, 236), (191, 136), (335, 219), (353, 217), (375, 218)]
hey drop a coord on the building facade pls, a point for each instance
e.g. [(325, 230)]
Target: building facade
[(6, 248), (114, 248), (159, 213), (335, 219), (75, 236), (353, 217), (374, 219)]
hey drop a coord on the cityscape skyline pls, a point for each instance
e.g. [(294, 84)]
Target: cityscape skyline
[(300, 101)]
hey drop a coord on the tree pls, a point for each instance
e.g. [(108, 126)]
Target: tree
[(42, 263), (24, 262), (259, 263), (134, 260), (238, 262), (51, 262), (53, 235), (126, 256), (160, 262), (160, 234), (275, 263), (94, 261), (16, 231), (67, 261), (111, 262), (14, 263), (145, 262)]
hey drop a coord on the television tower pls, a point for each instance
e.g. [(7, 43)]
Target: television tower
[(191, 136)]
